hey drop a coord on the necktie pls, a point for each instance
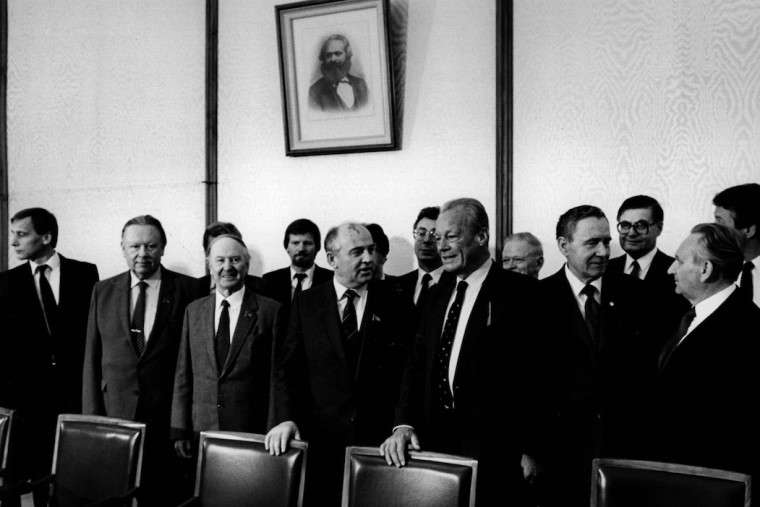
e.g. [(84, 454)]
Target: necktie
[(635, 269), (593, 313), (49, 306), (424, 290), (138, 320), (349, 325), (222, 340), (674, 340), (745, 283), (346, 92), (299, 283), (443, 354)]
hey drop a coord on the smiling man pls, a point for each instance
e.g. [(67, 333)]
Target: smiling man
[(339, 370), (132, 341), (224, 366)]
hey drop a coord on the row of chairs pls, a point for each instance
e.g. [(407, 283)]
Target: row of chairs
[(98, 461)]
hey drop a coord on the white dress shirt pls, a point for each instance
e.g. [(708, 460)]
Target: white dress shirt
[(435, 278), (707, 307), (755, 281), (151, 299), (235, 301), (577, 286), (306, 283), (53, 275), (645, 261), (360, 303)]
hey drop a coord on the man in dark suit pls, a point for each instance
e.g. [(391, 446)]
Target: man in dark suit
[(739, 208), (382, 248), (708, 371), (133, 336), (416, 284), (222, 380), (337, 90), (302, 243), (601, 355), (206, 283), (44, 305), (470, 360), (338, 373)]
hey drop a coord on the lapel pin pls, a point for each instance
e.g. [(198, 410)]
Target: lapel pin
[(248, 314), (375, 318)]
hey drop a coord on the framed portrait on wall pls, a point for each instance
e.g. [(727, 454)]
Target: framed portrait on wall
[(336, 75)]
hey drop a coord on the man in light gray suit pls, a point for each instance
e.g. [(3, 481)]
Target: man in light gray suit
[(222, 380)]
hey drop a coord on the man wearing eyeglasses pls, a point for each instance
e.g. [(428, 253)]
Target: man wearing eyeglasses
[(416, 284)]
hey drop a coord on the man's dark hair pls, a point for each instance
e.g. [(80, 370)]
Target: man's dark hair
[(146, 220), (643, 202), (430, 212), (743, 201), (215, 229), (475, 215), (722, 246), (302, 226), (382, 244), (570, 218), (43, 222), (346, 46)]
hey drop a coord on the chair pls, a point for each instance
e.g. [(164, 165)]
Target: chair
[(632, 483), (6, 427), (97, 461), (234, 469), (428, 480)]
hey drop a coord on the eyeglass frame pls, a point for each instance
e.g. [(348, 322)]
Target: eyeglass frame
[(427, 234), (625, 227)]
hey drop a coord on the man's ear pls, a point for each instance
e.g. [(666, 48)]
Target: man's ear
[(706, 270), (562, 243), (751, 231)]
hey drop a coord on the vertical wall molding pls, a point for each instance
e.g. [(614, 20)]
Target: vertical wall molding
[(212, 89), (504, 190), (3, 135)]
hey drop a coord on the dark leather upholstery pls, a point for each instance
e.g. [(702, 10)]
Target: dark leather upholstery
[(427, 480), (234, 469), (630, 483)]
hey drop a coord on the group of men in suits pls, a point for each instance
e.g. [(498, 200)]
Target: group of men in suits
[(451, 357)]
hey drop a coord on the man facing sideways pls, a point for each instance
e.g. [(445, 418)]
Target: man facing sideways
[(382, 248), (522, 253), (739, 208), (601, 358), (133, 337), (337, 89), (207, 284), (416, 284), (339, 369), (302, 243), (43, 317), (708, 370), (224, 366), (471, 358)]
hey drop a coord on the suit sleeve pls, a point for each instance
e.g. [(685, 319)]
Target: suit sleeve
[(182, 402), (92, 389), (411, 395), (279, 328), (290, 370)]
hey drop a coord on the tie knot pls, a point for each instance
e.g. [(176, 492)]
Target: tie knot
[(350, 294), (225, 304), (748, 266), (689, 316), (461, 287), (426, 278), (142, 285), (42, 268), (299, 276), (589, 290)]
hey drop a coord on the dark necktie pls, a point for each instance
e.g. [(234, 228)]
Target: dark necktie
[(635, 269), (48, 299), (745, 283), (674, 340), (443, 354), (222, 341), (138, 320), (424, 290), (299, 282), (349, 324), (593, 313)]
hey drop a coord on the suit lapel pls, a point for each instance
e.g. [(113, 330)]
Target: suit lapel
[(246, 320), (575, 317), (163, 307), (208, 328), (480, 317), (328, 306), (122, 297)]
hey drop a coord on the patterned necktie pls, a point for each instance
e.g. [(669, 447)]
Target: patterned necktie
[(424, 290), (635, 269), (674, 340), (299, 283), (138, 320), (443, 354), (222, 340), (745, 283), (348, 323), (593, 313), (49, 306)]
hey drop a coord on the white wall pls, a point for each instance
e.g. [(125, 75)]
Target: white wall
[(617, 98)]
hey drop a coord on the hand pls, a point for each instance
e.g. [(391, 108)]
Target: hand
[(183, 448), (394, 447), (276, 441), (530, 467)]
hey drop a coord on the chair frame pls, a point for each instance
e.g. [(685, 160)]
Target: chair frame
[(414, 456), (6, 439), (247, 437), (673, 468)]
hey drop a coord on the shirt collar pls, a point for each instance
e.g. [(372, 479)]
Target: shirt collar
[(152, 281), (706, 307), (477, 277), (235, 299), (577, 286), (644, 261), (54, 262), (340, 289), (436, 274), (309, 272)]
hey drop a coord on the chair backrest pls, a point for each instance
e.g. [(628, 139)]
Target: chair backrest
[(6, 425), (632, 483), (235, 469), (428, 480), (95, 458)]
